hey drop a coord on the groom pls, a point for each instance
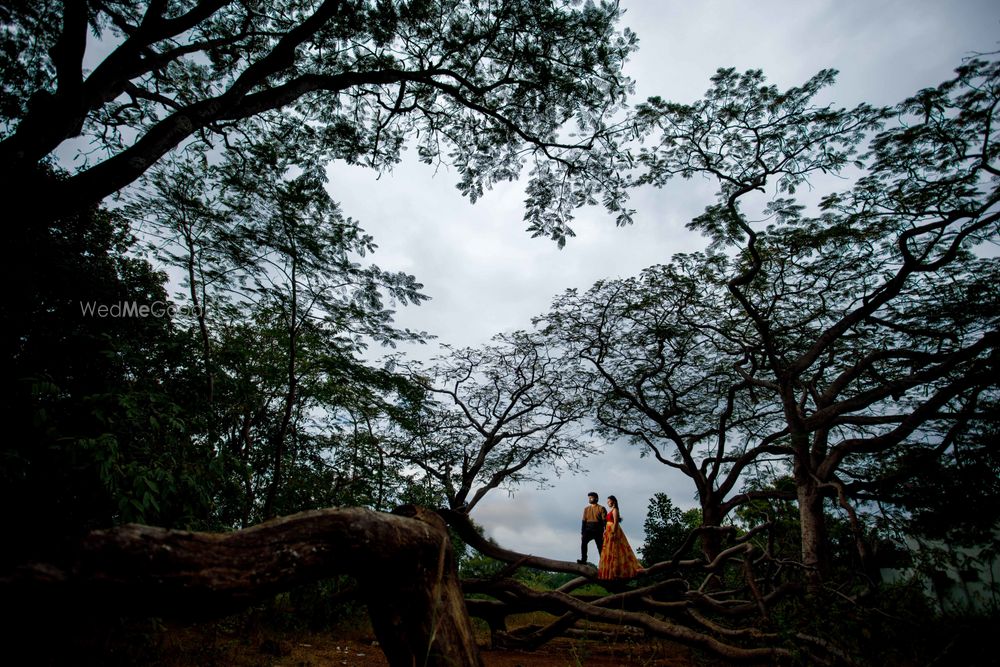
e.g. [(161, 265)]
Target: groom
[(592, 527)]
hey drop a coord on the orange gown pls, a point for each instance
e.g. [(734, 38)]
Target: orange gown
[(618, 561)]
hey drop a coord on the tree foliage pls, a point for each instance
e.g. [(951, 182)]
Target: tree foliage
[(222, 117), (480, 86), (93, 402), (284, 301), (499, 415), (663, 354), (871, 323), (666, 528), (824, 375)]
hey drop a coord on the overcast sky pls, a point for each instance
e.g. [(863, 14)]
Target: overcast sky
[(486, 275)]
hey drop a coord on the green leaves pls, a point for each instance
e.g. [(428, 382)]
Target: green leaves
[(288, 300), (749, 136), (480, 86), (666, 528), (834, 335)]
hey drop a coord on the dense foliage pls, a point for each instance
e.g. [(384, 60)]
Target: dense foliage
[(247, 395), (480, 86)]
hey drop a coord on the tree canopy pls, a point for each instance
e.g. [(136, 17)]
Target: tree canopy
[(870, 324), (480, 86), (218, 118)]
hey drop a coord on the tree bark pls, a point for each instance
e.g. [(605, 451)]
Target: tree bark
[(291, 395), (711, 517), (403, 562), (812, 523)]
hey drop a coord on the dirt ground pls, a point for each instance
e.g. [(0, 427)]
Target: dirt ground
[(191, 646), (559, 653)]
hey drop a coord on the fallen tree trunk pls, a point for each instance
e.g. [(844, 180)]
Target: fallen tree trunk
[(403, 562)]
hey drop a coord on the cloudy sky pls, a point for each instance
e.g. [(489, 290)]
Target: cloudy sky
[(486, 275)]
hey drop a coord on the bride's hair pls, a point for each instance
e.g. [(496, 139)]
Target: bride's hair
[(616, 507)]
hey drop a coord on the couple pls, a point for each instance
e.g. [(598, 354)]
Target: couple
[(604, 527)]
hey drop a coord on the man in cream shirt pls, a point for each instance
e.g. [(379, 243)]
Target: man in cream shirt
[(593, 526)]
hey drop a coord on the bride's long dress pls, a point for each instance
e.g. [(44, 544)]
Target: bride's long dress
[(618, 561)]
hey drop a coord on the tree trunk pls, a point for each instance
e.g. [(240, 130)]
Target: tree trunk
[(291, 396), (812, 523), (404, 563), (711, 540)]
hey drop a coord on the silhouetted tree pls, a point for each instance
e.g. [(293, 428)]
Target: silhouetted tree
[(666, 528), (481, 86), (869, 326), (94, 394), (496, 416), (284, 302)]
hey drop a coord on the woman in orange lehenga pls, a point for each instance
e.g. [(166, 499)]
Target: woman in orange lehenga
[(617, 558)]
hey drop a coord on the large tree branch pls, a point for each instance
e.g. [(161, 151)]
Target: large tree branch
[(67, 54), (925, 411), (403, 561), (115, 173), (54, 118), (866, 363), (923, 377), (892, 287), (462, 525)]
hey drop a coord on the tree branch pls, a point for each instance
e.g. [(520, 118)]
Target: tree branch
[(403, 561)]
